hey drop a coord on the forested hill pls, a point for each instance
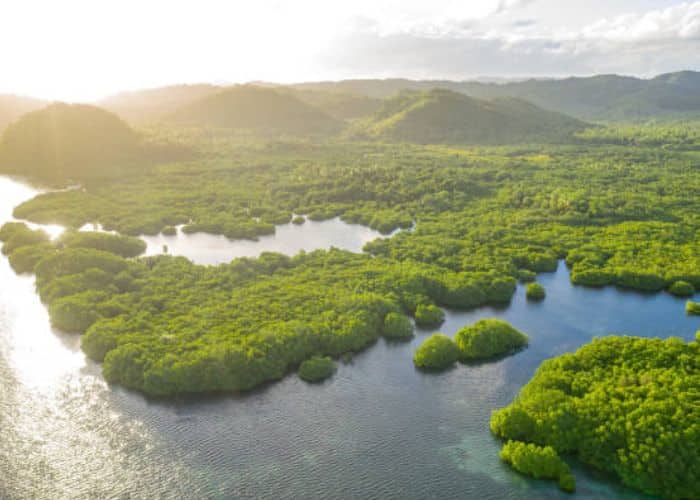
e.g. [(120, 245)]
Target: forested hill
[(601, 97), (339, 105), (152, 105), (68, 141), (12, 107), (257, 109), (443, 116)]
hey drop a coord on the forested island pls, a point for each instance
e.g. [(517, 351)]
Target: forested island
[(625, 405), (468, 212)]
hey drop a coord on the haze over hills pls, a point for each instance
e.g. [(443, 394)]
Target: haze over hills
[(514, 110), (339, 105), (68, 140), (444, 116), (602, 97), (255, 108), (152, 105), (13, 106)]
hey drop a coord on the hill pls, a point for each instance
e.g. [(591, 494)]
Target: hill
[(152, 105), (443, 116), (257, 109), (601, 97), (68, 141), (12, 107), (339, 105)]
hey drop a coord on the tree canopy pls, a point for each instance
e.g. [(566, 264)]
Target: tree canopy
[(436, 353), (488, 338), (625, 405)]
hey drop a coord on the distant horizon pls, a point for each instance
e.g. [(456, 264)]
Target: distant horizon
[(485, 79)]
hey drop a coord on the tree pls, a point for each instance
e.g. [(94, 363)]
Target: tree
[(436, 353), (429, 315), (488, 338), (316, 369)]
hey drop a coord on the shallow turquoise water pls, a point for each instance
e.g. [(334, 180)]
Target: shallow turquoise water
[(378, 429)]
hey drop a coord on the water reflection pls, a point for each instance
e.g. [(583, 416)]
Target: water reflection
[(39, 356), (288, 239)]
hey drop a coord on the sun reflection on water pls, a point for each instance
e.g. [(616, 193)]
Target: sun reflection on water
[(60, 433)]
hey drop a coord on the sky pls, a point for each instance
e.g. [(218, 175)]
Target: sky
[(83, 50)]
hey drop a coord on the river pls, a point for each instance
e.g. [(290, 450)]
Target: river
[(377, 429)]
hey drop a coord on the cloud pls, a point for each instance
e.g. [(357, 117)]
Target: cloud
[(677, 22), (524, 23), (652, 42), (508, 5)]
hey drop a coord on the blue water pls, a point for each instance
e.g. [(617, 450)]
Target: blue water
[(378, 429)]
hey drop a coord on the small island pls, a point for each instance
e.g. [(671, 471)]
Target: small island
[(436, 353), (488, 338), (316, 369), (692, 308), (535, 292), (681, 289)]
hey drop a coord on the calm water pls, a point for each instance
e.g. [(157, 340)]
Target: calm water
[(378, 429), (288, 238)]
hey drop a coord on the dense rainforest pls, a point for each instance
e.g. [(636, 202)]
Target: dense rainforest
[(619, 205), (618, 215)]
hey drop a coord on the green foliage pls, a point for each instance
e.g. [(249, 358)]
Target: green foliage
[(540, 462), (124, 246), (476, 210), (436, 353), (10, 229), (692, 308), (16, 235), (671, 135), (299, 220), (429, 316), (254, 108), (169, 231), (625, 405), (535, 291), (681, 289), (442, 116), (24, 246), (75, 313), (397, 326), (526, 276), (164, 325), (339, 105), (599, 97), (488, 338), (482, 217), (316, 369), (25, 258)]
